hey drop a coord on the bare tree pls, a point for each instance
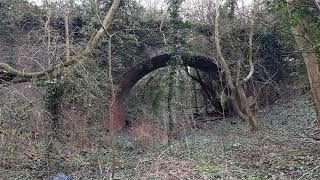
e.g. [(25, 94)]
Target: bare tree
[(236, 89)]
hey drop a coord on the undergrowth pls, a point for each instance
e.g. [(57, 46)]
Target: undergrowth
[(220, 151)]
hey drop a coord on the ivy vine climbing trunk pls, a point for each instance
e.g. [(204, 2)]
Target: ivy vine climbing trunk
[(53, 99), (309, 57), (169, 103), (177, 43), (112, 120), (55, 92), (53, 105)]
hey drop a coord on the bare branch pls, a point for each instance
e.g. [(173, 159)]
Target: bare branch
[(250, 58), (9, 71)]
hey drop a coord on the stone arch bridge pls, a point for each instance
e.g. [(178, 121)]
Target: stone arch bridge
[(138, 71)]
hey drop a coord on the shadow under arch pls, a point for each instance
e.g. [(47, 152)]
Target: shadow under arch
[(134, 74)]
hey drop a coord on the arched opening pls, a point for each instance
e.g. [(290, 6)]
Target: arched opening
[(134, 74)]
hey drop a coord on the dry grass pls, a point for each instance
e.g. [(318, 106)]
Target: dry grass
[(148, 132)]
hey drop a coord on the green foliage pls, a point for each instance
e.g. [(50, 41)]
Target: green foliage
[(158, 93), (228, 10), (210, 171), (18, 12), (86, 90), (53, 100), (287, 15), (179, 30), (269, 55), (290, 14)]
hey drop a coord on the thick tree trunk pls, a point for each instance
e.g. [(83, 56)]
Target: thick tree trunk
[(311, 62), (310, 59), (251, 117)]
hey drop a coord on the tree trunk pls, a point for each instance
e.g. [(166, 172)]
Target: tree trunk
[(240, 106), (251, 117), (169, 103), (310, 60)]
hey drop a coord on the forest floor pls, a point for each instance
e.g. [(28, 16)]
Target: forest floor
[(284, 149)]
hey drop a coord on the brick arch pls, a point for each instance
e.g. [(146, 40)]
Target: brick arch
[(137, 72)]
